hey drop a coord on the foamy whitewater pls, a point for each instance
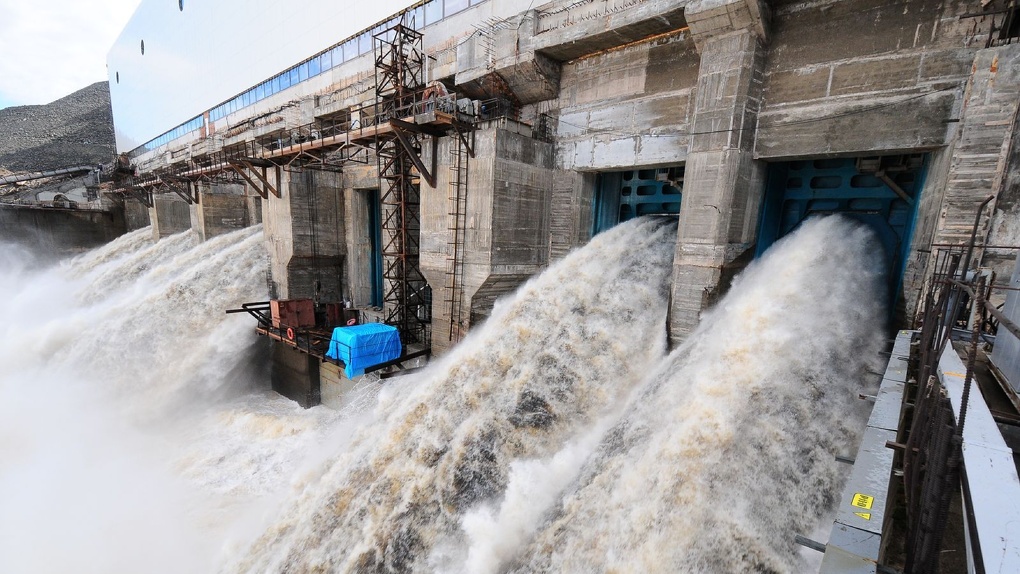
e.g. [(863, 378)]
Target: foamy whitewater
[(136, 434), (131, 433)]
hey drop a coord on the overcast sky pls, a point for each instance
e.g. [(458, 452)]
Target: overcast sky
[(51, 48)]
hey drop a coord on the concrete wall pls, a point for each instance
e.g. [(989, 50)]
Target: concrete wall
[(295, 375), (723, 182), (306, 237), (507, 233), (358, 203), (570, 212), (334, 386), (870, 76), (222, 208), (629, 107), (860, 78), (723, 87), (748, 83), (60, 232), (136, 214), (985, 161), (360, 182), (169, 215), (620, 109)]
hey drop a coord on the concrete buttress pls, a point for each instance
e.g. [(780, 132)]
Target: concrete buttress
[(723, 182)]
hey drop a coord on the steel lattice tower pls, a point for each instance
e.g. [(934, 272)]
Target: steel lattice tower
[(400, 78)]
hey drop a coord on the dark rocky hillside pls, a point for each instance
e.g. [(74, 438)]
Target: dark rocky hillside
[(74, 130)]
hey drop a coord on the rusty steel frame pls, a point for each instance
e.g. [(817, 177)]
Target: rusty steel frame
[(262, 186), (189, 193), (326, 144), (397, 125), (142, 195), (1001, 33), (399, 78), (930, 446)]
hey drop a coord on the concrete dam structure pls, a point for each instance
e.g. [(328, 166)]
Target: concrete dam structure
[(530, 129), (139, 435), (642, 258)]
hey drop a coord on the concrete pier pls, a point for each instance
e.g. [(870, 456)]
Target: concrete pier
[(59, 231), (295, 375), (719, 214), (507, 206)]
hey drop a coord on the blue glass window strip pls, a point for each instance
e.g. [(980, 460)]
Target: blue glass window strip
[(419, 17)]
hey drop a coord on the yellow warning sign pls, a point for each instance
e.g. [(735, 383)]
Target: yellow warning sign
[(864, 515), (863, 501)]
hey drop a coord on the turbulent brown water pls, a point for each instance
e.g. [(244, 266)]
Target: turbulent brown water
[(559, 437)]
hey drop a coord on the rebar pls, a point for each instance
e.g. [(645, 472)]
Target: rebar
[(932, 458)]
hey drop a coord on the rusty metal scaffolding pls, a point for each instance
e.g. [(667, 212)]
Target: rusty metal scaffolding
[(405, 118), (953, 307), (931, 456), (999, 19), (400, 77)]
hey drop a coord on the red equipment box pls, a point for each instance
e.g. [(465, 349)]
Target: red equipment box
[(338, 316), (334, 314), (292, 313)]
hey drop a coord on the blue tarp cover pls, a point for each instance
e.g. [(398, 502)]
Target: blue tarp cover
[(363, 346)]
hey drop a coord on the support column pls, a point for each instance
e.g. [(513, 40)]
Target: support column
[(169, 216), (295, 375), (723, 182), (305, 237), (136, 214), (221, 208), (304, 232), (506, 229)]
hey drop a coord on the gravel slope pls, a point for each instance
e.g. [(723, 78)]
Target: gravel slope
[(74, 130)]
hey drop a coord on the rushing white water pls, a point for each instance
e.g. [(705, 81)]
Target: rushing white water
[(550, 361), (726, 451), (559, 437), (129, 438)]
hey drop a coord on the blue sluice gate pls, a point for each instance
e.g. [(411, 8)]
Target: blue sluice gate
[(624, 195), (856, 187)]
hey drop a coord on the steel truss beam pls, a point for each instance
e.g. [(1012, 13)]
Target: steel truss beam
[(189, 192), (462, 136), (262, 186), (408, 135), (142, 195)]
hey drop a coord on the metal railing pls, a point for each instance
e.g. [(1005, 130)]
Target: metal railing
[(954, 306)]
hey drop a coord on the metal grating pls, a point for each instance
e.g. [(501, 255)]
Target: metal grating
[(879, 191), (624, 195)]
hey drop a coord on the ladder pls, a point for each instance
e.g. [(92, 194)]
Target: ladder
[(457, 229)]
